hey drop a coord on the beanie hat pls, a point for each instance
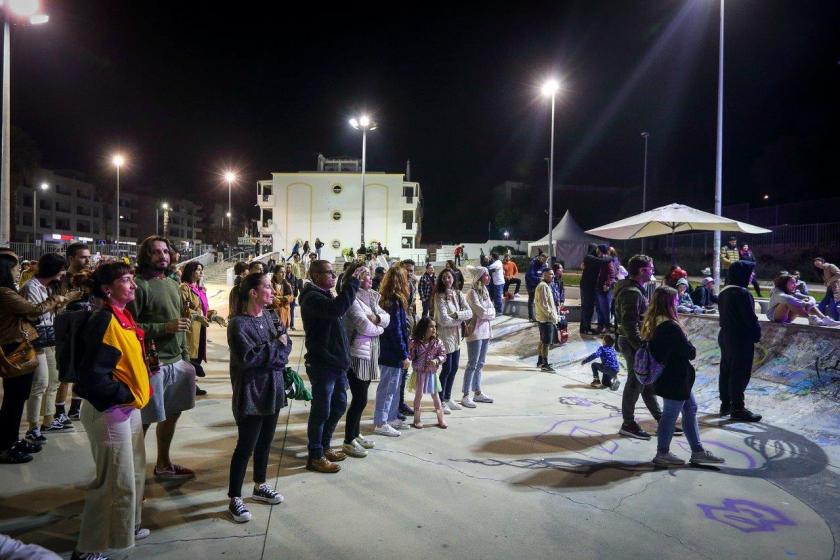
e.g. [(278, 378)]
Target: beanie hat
[(604, 248), (707, 280), (682, 281), (477, 272)]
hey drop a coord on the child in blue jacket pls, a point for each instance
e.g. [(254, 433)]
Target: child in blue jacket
[(608, 366)]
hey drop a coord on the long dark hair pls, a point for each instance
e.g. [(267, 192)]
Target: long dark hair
[(439, 286), (188, 271), (7, 263), (250, 282), (420, 329), (144, 252)]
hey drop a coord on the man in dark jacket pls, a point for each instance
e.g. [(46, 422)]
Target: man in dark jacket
[(327, 360), (704, 294), (533, 277), (739, 331), (593, 263), (630, 306)]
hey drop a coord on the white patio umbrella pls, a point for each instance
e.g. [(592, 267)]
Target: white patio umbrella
[(671, 219)]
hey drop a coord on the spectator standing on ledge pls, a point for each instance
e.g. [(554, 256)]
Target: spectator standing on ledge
[(592, 265), (425, 287), (511, 275), (459, 251), (739, 331), (728, 255), (318, 246), (327, 361), (157, 309), (533, 277), (746, 254), (630, 307)]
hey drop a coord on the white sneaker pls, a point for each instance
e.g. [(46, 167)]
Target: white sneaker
[(354, 449), (483, 398), (364, 442), (445, 406), (386, 430), (467, 402), (667, 460), (829, 322), (815, 321), (267, 495), (238, 511), (453, 405), (398, 424)]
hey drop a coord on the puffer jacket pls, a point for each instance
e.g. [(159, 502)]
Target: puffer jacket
[(393, 345), (449, 329), (360, 330), (482, 312), (630, 307), (729, 255)]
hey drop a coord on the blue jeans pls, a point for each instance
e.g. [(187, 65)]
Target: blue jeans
[(329, 401), (476, 353), (829, 307), (665, 431), (496, 295), (387, 395), (447, 374), (602, 307)]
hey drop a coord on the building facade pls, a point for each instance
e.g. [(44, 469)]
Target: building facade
[(327, 204)]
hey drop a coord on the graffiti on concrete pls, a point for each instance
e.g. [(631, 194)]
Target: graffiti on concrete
[(746, 516), (579, 432), (574, 401)]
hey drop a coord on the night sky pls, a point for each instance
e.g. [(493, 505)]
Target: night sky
[(186, 90)]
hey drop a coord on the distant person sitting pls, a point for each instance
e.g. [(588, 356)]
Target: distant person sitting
[(511, 273), (830, 275), (673, 275), (704, 294), (801, 286), (685, 304), (786, 305)]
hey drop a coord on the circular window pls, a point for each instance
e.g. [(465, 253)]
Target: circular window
[(335, 244), (337, 189), (336, 215)]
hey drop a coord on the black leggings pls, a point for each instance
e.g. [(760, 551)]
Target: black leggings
[(358, 402), (15, 392), (255, 436)]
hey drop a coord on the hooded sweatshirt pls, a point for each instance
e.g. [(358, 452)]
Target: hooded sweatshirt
[(738, 321)]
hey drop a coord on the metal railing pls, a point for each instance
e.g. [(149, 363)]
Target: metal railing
[(31, 252)]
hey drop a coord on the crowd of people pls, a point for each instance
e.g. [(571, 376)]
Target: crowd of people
[(131, 342)]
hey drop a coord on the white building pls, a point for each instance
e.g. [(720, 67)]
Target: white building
[(327, 204)]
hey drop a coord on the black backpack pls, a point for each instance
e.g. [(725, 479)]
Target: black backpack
[(70, 343)]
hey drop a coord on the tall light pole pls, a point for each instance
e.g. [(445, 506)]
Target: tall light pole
[(11, 10), (719, 159), (549, 89), (118, 160), (364, 124), (645, 135), (164, 206), (43, 187), (230, 177)]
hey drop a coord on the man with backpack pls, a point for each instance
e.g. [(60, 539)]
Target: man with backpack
[(630, 306)]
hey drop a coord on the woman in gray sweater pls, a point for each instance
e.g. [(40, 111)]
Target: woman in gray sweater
[(259, 351)]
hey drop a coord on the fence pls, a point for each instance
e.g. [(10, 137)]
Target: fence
[(30, 251)]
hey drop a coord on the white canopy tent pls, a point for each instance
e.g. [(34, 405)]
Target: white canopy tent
[(570, 242)]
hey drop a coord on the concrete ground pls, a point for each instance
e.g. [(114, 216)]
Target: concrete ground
[(541, 473)]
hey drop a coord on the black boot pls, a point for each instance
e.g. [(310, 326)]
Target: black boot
[(725, 410)]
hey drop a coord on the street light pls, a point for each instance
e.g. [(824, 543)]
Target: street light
[(230, 177), (719, 159), (118, 160), (364, 124), (645, 135), (549, 89), (506, 234), (12, 9), (43, 187)]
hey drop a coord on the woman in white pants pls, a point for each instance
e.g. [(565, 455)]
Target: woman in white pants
[(478, 336), (114, 381)]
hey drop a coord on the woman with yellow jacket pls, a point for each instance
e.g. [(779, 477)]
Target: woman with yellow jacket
[(284, 295), (114, 381), (197, 308)]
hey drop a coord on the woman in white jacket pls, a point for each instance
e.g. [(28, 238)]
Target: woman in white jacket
[(363, 323), (478, 336), (450, 312)]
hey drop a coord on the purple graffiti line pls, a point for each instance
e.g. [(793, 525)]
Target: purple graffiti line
[(746, 516), (751, 463), (608, 446), (574, 401)]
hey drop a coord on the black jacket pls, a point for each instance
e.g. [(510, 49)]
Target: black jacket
[(671, 348), (738, 321), (95, 379), (327, 347), (592, 266), (703, 296), (630, 306), (69, 343)]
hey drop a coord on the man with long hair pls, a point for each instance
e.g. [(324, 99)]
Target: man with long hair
[(157, 309)]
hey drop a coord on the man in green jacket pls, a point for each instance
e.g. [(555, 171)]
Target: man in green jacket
[(630, 307), (157, 309)]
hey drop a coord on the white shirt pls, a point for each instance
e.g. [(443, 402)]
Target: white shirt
[(497, 272)]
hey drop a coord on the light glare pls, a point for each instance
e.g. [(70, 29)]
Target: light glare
[(25, 8), (230, 176), (44, 186), (550, 87), (118, 160)]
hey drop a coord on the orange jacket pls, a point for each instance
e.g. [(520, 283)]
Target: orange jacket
[(510, 269)]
